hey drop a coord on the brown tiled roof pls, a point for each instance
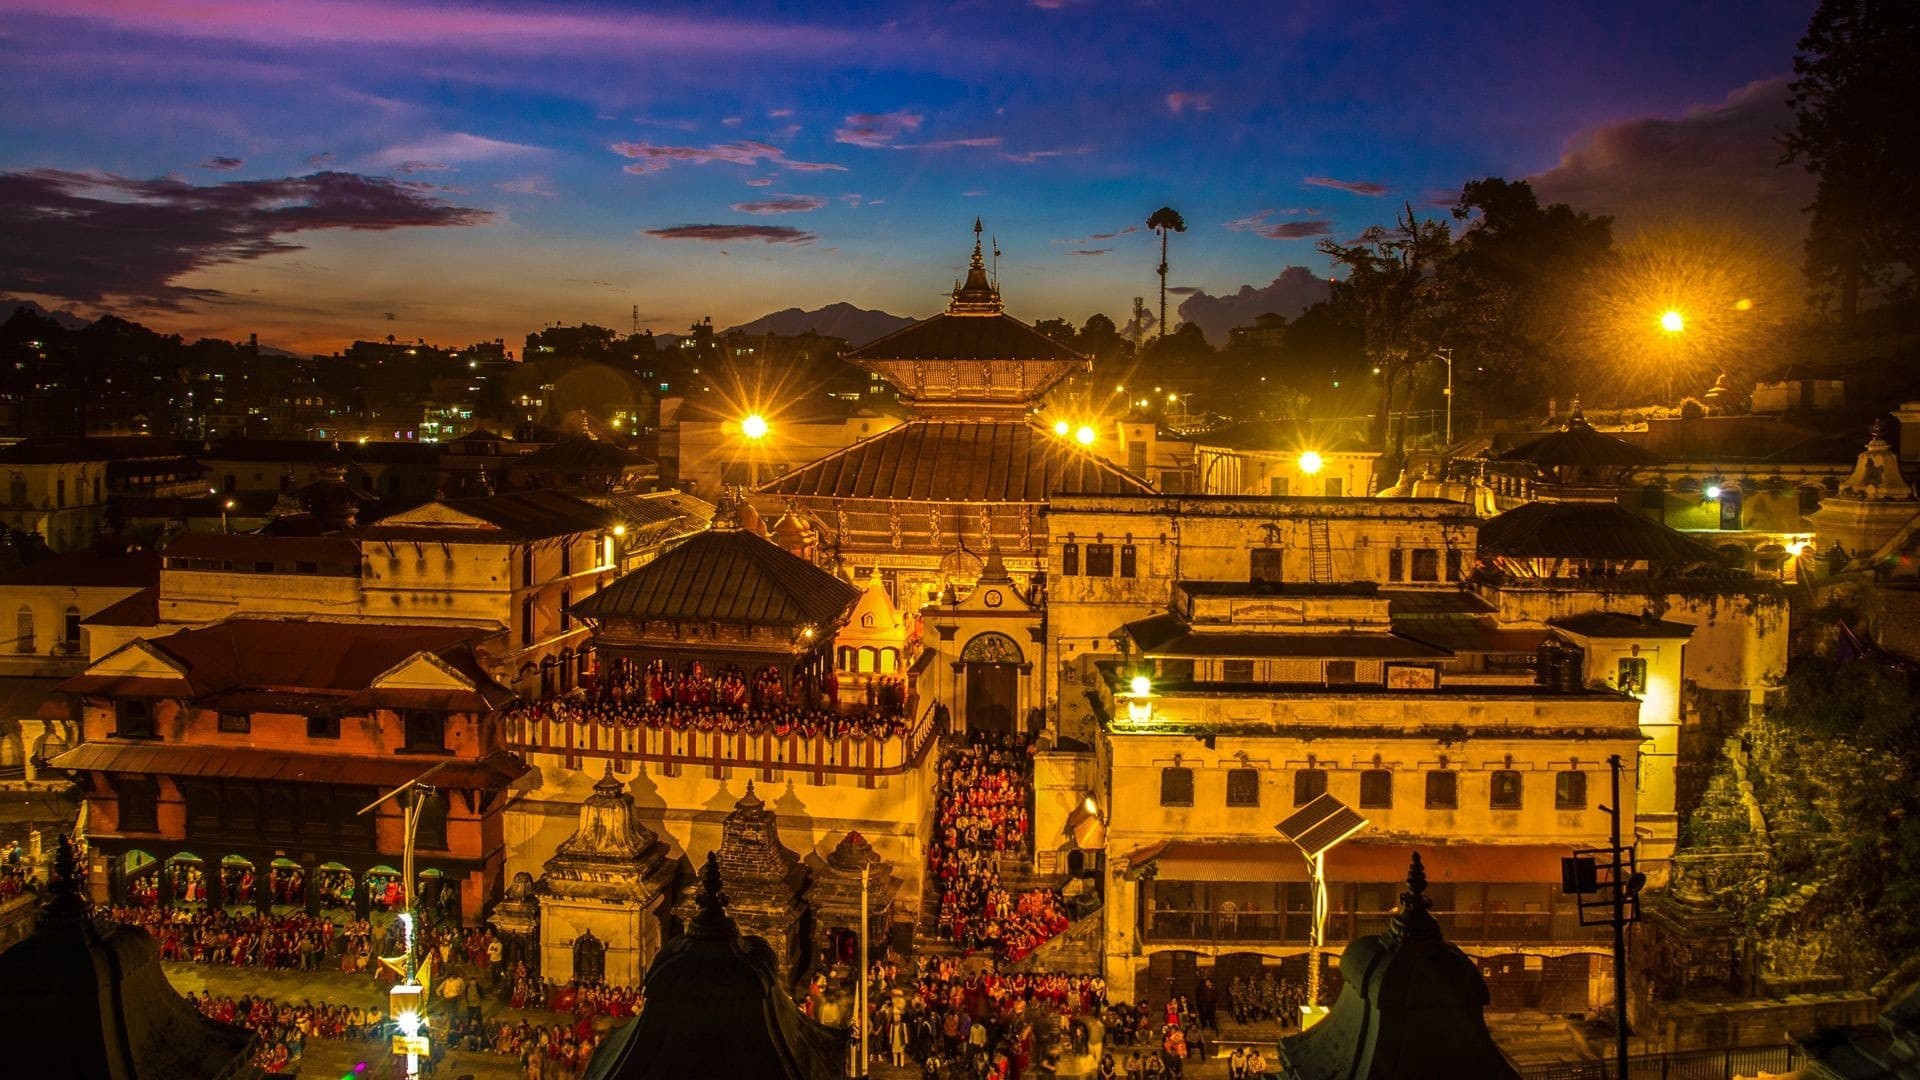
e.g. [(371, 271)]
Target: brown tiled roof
[(725, 575), (522, 515), (1588, 530), (140, 609), (238, 763), (1578, 444), (84, 569), (959, 461), (966, 337), (1167, 635)]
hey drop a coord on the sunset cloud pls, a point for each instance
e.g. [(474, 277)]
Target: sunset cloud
[(1029, 157), (94, 236), (654, 157), (1185, 101), (452, 148), (877, 130), (1091, 251), (1296, 289), (782, 204), (1355, 187), (1259, 224), (222, 164), (719, 234)]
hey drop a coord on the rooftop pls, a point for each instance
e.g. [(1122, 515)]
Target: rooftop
[(725, 575), (1588, 530), (84, 569), (958, 461)]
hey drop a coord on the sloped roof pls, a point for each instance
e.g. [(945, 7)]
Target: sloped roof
[(1613, 624), (518, 515), (959, 461), (242, 763), (1579, 445), (725, 575), (1588, 530), (1167, 635), (582, 453), (966, 337)]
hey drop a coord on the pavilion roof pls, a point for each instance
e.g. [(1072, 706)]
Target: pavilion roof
[(725, 575), (959, 461), (1588, 530)]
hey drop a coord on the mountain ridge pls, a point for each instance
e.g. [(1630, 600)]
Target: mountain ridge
[(857, 325)]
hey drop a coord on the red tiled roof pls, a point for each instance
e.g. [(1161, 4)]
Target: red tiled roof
[(175, 759), (140, 609), (959, 461), (83, 569)]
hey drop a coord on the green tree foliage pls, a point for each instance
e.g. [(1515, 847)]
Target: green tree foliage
[(1390, 288), (1517, 284), (1810, 832), (1856, 130)]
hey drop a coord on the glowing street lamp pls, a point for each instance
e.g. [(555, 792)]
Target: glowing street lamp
[(754, 426), (1672, 321), (1062, 428), (1311, 463), (1084, 435)]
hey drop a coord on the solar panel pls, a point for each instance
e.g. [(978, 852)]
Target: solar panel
[(1321, 824)]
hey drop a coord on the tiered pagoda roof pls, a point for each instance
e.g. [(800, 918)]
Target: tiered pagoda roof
[(612, 855), (765, 876), (972, 461)]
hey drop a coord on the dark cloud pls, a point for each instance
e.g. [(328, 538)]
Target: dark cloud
[(1356, 187), (877, 130), (1295, 290), (772, 234), (223, 164), (1091, 237), (1258, 224), (90, 236), (1183, 290), (1717, 165), (1033, 157), (782, 204), (653, 157), (1091, 251)]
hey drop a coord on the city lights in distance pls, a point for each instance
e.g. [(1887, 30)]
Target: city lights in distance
[(1310, 463), (1084, 435), (1672, 321), (754, 426)]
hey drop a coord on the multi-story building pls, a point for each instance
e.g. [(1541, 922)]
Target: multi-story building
[(233, 764), (60, 488)]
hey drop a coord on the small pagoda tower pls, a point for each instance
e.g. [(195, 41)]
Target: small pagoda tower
[(766, 880), (605, 889), (1875, 503), (1412, 1006), (835, 899)]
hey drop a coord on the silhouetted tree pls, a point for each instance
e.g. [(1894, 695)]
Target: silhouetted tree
[(1391, 290), (1163, 221)]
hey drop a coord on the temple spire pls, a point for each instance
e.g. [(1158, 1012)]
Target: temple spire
[(977, 295)]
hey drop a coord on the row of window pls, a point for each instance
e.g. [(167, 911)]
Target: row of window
[(1100, 561), (24, 631), (1506, 791), (425, 732), (1423, 564)]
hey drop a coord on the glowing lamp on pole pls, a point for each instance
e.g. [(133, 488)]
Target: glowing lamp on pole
[(1139, 699), (754, 426), (1084, 435), (1311, 463)]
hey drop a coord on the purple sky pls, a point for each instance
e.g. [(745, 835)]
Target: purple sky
[(317, 170)]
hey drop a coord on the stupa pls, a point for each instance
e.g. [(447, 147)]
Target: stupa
[(604, 892)]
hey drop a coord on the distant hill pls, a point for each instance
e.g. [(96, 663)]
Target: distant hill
[(842, 320), (66, 319)]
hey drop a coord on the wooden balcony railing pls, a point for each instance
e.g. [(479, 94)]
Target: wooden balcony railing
[(1168, 927)]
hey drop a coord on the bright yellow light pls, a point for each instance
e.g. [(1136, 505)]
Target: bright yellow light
[(1092, 807), (1310, 463), (754, 426), (1672, 321), (1142, 686), (619, 530), (408, 1022), (1061, 427), (1743, 304), (1084, 435)]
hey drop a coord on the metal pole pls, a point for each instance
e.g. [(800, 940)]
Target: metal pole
[(1619, 932), (1319, 929), (1448, 355), (866, 871)]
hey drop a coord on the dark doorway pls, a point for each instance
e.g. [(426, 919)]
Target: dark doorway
[(589, 959), (992, 696)]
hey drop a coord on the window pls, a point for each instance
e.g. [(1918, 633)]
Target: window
[(566, 558), (1396, 565), (1137, 458), (23, 629), (431, 832), (526, 565), (1336, 487), (1263, 564), (1129, 561), (139, 804), (1099, 560), (236, 723), (1426, 564), (1443, 790), (1176, 786), (1236, 670), (1376, 788), (1277, 486), (1453, 564), (1340, 672), (1069, 559), (1730, 505), (323, 727), (426, 732), (1308, 785), (1243, 787), (526, 622), (1505, 794), (1632, 675), (133, 718), (1570, 790), (71, 626)]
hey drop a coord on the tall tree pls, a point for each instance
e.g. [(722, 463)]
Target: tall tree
[(1391, 290), (1163, 221), (1856, 130)]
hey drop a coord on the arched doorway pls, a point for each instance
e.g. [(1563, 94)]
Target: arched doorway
[(993, 662), (589, 958)]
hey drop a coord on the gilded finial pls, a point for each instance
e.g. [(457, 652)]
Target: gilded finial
[(1416, 907)]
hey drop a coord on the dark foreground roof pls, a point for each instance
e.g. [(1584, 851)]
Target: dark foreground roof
[(1588, 530), (966, 337), (725, 575), (959, 461), (715, 1008), (1579, 445)]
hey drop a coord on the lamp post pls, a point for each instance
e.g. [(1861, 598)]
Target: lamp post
[(1446, 356), (1315, 829), (1673, 324), (866, 873), (408, 1000)]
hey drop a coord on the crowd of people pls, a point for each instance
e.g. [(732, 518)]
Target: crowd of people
[(1265, 998), (981, 817), (285, 1027), (247, 938), (726, 703)]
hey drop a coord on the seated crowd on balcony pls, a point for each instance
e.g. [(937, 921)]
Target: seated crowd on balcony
[(726, 701)]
